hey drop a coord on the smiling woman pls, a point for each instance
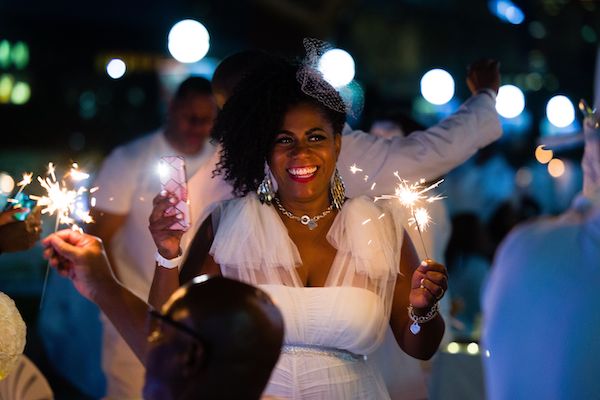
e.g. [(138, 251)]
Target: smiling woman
[(341, 270)]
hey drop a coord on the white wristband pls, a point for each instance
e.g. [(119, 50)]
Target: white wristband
[(166, 263)]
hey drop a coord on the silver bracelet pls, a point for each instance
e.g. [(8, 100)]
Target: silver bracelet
[(421, 319)]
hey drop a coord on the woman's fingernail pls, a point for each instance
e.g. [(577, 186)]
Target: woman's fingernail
[(163, 193), (172, 200), (424, 263), (179, 216)]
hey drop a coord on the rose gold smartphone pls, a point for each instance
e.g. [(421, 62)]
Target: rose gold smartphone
[(173, 180)]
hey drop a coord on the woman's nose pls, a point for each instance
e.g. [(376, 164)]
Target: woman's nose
[(298, 149)]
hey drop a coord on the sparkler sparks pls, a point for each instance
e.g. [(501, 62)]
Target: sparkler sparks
[(24, 182), (67, 204), (61, 201), (414, 196), (354, 169)]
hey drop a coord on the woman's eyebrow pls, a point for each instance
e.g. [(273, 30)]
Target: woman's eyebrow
[(308, 132)]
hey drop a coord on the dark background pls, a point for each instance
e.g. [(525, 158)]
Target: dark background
[(393, 43)]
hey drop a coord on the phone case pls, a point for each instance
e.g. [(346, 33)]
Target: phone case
[(173, 180)]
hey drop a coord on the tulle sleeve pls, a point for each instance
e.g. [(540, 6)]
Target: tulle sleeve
[(252, 245)]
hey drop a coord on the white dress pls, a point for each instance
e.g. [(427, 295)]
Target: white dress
[(328, 330)]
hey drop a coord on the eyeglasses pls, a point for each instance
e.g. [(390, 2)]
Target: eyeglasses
[(170, 321)]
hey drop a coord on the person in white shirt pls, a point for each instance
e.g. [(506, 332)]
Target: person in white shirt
[(540, 319), (127, 183)]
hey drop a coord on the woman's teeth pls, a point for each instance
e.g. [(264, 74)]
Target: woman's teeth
[(303, 172)]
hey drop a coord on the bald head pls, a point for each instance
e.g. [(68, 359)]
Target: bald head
[(234, 333)]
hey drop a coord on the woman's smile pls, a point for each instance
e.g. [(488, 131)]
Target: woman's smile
[(303, 174)]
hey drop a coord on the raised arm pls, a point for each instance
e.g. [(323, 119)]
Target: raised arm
[(425, 154), (422, 286), (168, 242)]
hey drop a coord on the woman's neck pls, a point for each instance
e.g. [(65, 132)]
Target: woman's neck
[(310, 207)]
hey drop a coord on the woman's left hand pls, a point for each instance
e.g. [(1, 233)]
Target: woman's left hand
[(428, 285)]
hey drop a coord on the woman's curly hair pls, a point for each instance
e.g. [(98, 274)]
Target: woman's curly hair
[(247, 124)]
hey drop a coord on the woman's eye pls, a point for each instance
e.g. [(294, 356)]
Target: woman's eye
[(283, 140), (316, 138)]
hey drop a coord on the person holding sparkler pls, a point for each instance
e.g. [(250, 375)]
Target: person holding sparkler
[(340, 270)]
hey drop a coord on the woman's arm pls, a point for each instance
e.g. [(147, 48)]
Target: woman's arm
[(198, 261), (82, 259), (422, 286)]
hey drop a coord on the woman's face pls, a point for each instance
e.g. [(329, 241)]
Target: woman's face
[(304, 154)]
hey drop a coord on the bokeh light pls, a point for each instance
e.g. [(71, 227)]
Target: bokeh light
[(437, 86), (20, 55), (4, 53), (21, 93), (6, 85), (556, 168), (542, 155), (188, 41), (523, 177), (589, 34), (507, 11), (116, 68), (337, 67), (453, 348), (510, 102), (87, 105), (7, 183), (473, 348), (537, 30), (560, 111)]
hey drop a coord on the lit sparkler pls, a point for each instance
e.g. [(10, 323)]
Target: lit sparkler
[(67, 204), (414, 197)]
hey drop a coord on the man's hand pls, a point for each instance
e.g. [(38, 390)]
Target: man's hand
[(19, 235), (81, 258), (483, 74)]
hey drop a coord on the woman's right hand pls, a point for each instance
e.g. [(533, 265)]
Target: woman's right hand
[(167, 240)]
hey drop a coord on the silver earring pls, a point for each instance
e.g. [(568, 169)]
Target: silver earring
[(265, 191), (337, 190)]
